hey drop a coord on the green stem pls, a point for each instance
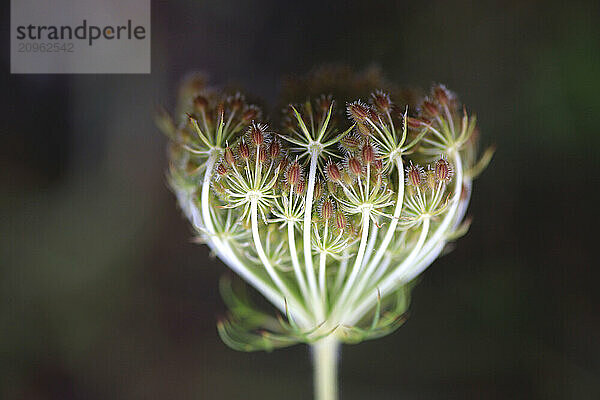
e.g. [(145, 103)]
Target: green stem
[(325, 362)]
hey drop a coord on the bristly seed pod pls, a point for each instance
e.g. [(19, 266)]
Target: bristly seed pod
[(430, 108), (274, 149), (340, 220), (351, 142), (257, 134), (318, 190), (283, 163), (416, 122), (354, 166), (228, 156), (442, 95), (244, 150), (443, 171), (262, 155), (382, 101), (414, 175), (333, 172), (358, 111), (368, 153), (221, 170), (300, 186), (293, 174), (327, 209)]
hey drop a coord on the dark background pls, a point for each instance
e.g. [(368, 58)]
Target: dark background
[(103, 295)]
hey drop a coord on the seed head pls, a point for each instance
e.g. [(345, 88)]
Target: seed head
[(368, 153), (257, 134), (228, 156), (244, 150), (430, 108), (442, 95), (293, 174), (274, 149), (358, 111), (318, 190), (414, 175), (340, 220), (327, 209), (354, 166), (351, 142), (221, 170), (443, 171), (333, 172), (262, 155), (300, 186), (382, 101)]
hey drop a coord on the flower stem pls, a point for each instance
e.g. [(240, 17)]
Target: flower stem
[(325, 362)]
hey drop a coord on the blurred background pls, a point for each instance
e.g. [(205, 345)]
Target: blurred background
[(103, 295)]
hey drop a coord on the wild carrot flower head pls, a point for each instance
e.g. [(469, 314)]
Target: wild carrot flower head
[(330, 214)]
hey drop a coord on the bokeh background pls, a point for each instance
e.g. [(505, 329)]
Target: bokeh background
[(103, 295)]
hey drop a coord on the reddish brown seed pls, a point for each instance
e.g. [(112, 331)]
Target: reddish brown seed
[(382, 101), (274, 149), (221, 170), (228, 156), (257, 134), (283, 163), (430, 108), (415, 122), (333, 172), (414, 175), (441, 94), (340, 220), (200, 103), (354, 166), (377, 164), (293, 174), (300, 186), (327, 209), (358, 111), (318, 190), (443, 171), (363, 129), (262, 155), (368, 153), (249, 114), (244, 151), (351, 142)]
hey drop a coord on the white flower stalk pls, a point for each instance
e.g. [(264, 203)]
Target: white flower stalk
[(330, 218)]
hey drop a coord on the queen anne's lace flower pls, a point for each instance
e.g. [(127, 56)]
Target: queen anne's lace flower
[(330, 217)]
